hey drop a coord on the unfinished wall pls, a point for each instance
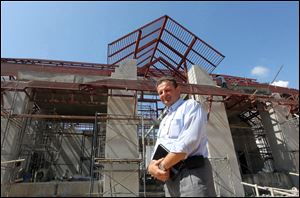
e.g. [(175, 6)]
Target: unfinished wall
[(44, 140), (13, 103), (68, 152), (51, 189), (122, 139), (58, 77), (249, 158), (283, 137), (227, 175)]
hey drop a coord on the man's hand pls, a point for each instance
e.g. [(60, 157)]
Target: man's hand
[(156, 172)]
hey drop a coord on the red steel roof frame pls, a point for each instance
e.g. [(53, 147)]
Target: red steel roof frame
[(164, 43)]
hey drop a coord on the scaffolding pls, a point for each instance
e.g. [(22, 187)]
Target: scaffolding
[(253, 120), (43, 125)]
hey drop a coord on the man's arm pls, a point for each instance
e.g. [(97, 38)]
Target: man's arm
[(171, 159)]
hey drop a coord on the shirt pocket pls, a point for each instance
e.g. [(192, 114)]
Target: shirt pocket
[(175, 128)]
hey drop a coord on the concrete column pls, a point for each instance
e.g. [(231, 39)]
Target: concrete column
[(226, 172), (283, 137), (14, 102), (122, 139)]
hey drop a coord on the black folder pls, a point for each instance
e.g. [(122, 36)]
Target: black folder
[(160, 152)]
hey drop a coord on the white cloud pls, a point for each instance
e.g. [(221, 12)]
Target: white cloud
[(281, 83), (260, 71)]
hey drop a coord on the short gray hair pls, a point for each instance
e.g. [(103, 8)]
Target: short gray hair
[(167, 78)]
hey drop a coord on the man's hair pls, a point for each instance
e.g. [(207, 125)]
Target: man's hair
[(167, 78)]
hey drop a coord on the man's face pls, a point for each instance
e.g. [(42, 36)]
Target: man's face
[(168, 94)]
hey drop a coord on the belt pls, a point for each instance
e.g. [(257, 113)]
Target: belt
[(193, 162), (189, 163)]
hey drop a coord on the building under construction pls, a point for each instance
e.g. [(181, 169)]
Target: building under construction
[(88, 129)]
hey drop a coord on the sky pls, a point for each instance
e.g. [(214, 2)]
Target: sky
[(257, 38)]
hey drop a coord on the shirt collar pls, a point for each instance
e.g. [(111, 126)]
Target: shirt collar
[(174, 106)]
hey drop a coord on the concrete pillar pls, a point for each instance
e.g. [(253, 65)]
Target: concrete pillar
[(227, 175), (283, 137), (122, 139), (14, 102)]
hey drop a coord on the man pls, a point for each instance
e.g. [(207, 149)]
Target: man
[(182, 132), (221, 81)]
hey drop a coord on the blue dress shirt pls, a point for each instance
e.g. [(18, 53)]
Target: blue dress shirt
[(183, 129)]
